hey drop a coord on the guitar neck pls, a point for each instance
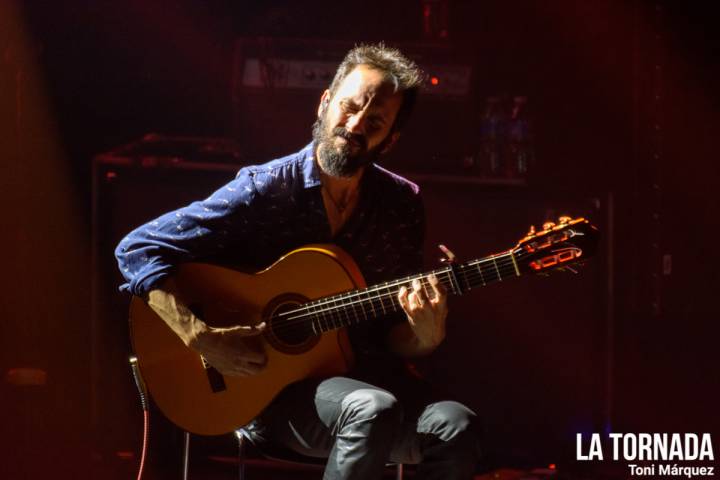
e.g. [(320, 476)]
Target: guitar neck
[(356, 306)]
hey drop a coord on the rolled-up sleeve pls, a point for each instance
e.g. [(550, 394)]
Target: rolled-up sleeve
[(202, 229)]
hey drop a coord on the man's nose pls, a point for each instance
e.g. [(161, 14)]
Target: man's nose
[(356, 123)]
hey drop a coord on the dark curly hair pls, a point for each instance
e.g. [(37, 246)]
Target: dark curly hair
[(399, 70)]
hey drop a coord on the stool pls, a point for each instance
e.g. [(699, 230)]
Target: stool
[(285, 457), (288, 456)]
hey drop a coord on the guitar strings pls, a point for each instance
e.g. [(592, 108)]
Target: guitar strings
[(329, 318), (322, 310), (467, 276), (503, 257), (332, 302), (344, 306)]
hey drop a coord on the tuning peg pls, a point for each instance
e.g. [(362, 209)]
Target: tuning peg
[(564, 220), (531, 232), (548, 225)]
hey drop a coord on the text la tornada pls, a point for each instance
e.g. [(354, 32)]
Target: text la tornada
[(647, 446)]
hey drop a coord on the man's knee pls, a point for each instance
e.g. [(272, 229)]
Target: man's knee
[(448, 420), (372, 404), (451, 442)]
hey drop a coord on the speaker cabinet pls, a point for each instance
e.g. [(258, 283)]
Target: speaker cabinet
[(127, 192)]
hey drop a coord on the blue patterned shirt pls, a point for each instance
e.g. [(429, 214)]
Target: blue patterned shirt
[(270, 209)]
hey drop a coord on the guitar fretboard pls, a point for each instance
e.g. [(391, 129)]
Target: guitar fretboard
[(356, 306)]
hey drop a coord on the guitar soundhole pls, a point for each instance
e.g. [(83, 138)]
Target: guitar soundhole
[(287, 331)]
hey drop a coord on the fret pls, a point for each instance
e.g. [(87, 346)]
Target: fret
[(496, 268), (357, 307), (382, 301), (314, 313), (517, 270), (338, 310), (392, 297), (340, 314), (321, 310), (361, 303), (424, 287), (351, 304), (445, 281), (463, 271), (394, 303), (371, 301), (328, 315), (345, 309), (384, 296), (453, 281), (482, 277)]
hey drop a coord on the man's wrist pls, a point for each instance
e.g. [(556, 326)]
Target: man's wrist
[(425, 345), (198, 335), (404, 341)]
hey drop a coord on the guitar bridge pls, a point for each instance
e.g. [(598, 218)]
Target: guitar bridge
[(215, 378)]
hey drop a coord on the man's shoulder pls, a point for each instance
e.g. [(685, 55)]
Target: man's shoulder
[(283, 171), (296, 159), (394, 182)]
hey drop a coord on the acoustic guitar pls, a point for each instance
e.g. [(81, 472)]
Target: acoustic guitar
[(306, 298)]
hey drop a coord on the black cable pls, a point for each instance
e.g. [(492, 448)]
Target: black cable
[(142, 391)]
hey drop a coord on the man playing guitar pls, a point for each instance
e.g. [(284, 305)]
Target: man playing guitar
[(330, 192)]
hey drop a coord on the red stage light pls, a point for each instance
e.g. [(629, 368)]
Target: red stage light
[(435, 80)]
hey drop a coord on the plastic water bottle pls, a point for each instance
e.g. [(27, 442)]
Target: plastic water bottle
[(520, 152), (492, 125)]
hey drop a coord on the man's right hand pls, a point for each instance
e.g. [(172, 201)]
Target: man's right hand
[(229, 350)]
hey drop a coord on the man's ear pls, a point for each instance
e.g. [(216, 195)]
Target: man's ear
[(324, 100), (391, 142)]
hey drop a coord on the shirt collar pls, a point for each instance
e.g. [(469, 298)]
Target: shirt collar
[(310, 169)]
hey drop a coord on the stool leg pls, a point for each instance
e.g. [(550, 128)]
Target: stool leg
[(186, 455), (241, 454), (399, 471)]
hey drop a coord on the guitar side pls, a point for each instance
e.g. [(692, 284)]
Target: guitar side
[(200, 400)]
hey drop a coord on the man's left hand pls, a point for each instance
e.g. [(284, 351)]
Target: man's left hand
[(426, 311)]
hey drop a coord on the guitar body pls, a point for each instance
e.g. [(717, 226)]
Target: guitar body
[(196, 397)]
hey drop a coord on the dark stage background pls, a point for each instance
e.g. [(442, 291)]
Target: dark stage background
[(624, 104)]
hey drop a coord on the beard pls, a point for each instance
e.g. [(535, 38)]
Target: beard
[(339, 161)]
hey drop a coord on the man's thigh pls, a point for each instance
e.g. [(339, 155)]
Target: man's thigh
[(305, 415)]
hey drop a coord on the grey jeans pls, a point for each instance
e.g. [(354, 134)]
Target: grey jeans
[(359, 427)]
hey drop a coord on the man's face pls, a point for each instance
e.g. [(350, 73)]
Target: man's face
[(353, 127)]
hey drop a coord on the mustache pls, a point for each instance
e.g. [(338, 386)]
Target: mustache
[(359, 139)]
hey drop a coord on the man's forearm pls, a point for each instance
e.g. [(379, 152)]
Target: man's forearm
[(168, 304)]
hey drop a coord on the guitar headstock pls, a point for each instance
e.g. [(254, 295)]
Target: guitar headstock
[(556, 246)]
